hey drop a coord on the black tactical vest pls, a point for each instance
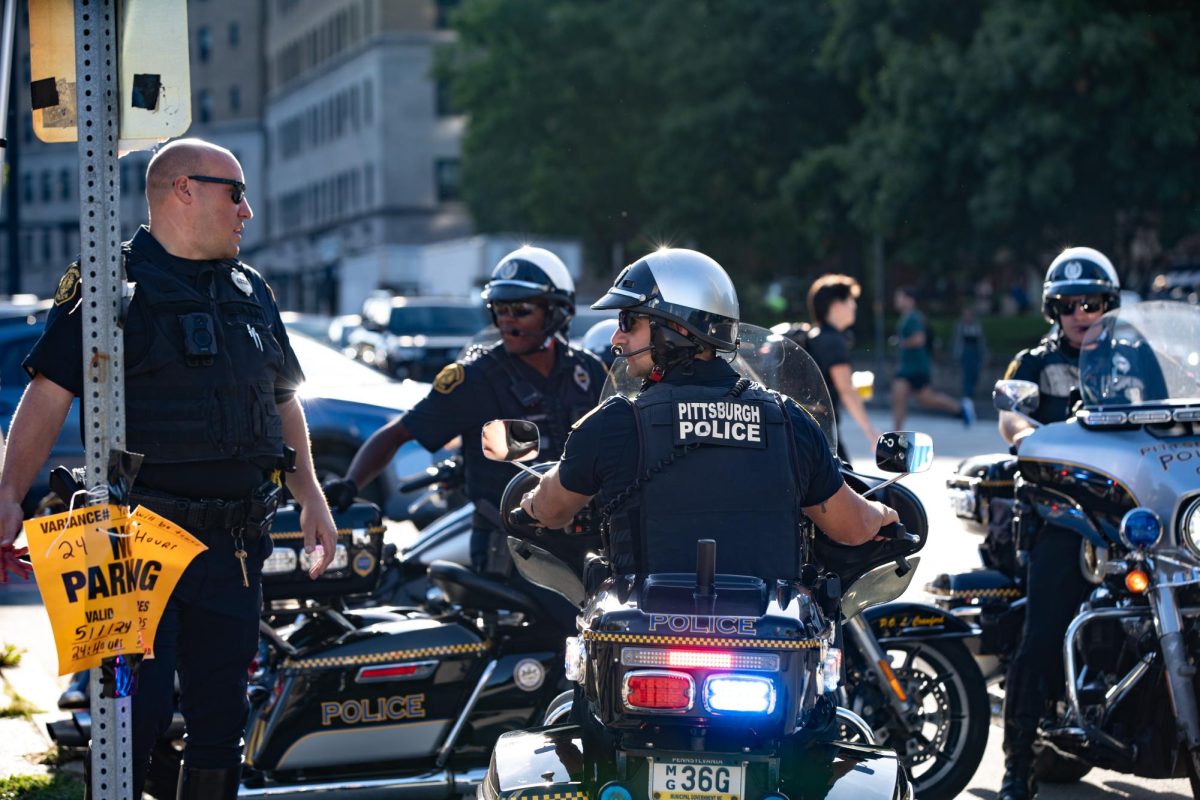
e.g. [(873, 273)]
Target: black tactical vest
[(220, 407), (738, 486)]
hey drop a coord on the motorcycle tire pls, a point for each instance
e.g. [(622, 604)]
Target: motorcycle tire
[(1050, 767), (955, 702)]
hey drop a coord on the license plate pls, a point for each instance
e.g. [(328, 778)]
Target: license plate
[(696, 779)]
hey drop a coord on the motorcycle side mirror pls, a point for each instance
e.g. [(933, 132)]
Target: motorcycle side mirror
[(904, 452), (511, 440), (1019, 397)]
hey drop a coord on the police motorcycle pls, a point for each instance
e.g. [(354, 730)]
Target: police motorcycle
[(1122, 473), (712, 685)]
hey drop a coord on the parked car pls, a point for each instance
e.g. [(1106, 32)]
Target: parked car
[(345, 403), (414, 337)]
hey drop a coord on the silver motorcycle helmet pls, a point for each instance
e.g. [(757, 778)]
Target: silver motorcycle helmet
[(1079, 271), (684, 287)]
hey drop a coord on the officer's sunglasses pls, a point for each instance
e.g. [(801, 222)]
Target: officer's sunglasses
[(516, 310), (239, 188), (1090, 305), (627, 320)]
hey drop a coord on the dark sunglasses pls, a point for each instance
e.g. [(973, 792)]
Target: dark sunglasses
[(1090, 305), (239, 188), (627, 320), (516, 310)]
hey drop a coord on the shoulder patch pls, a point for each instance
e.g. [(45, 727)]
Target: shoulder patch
[(1012, 369), (449, 378), (68, 285)]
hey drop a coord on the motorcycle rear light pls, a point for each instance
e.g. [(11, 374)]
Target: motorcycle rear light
[(281, 561), (743, 694), (1136, 581), (699, 659), (341, 559), (654, 690)]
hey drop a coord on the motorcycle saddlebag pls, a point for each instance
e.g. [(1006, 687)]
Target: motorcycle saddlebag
[(975, 588), (355, 568), (977, 480)]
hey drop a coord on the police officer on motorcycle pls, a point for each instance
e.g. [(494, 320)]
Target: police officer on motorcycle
[(531, 374), (664, 475), (1081, 285)]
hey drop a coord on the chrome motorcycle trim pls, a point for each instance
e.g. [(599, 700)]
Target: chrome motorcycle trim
[(1192, 507), (559, 707), (274, 638), (348, 789), (1117, 693), (856, 722), (451, 737), (1169, 622), (1077, 625), (869, 646), (467, 782), (1092, 572)]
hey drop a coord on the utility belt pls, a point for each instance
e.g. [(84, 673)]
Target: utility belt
[(250, 517)]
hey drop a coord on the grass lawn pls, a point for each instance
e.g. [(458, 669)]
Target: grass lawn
[(41, 787)]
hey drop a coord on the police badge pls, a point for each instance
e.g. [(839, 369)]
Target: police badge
[(583, 378), (241, 282), (1073, 270)]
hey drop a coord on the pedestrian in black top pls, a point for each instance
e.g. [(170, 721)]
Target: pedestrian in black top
[(210, 382), (833, 305), (531, 374)]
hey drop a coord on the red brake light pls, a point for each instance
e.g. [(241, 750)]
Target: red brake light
[(388, 672), (659, 691)]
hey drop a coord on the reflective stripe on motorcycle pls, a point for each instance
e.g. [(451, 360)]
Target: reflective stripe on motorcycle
[(1008, 591), (699, 641), (341, 532), (545, 795), (395, 655)]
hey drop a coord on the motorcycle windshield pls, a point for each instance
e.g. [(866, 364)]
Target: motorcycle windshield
[(1144, 353), (766, 358)]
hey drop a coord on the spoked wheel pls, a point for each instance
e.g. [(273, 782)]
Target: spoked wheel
[(945, 743)]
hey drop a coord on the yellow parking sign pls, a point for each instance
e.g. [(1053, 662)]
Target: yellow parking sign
[(105, 576)]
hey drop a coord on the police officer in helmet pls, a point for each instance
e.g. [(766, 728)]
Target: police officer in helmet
[(1081, 285), (678, 311), (531, 374)]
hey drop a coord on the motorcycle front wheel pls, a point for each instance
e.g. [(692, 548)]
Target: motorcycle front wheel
[(943, 747)]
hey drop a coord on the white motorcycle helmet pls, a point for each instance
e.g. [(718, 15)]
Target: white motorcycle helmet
[(534, 273), (1079, 271)]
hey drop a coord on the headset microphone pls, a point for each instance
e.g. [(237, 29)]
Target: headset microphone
[(616, 349)]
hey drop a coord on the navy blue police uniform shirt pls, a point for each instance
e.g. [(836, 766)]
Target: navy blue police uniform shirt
[(469, 393), (1054, 366), (602, 452), (58, 355)]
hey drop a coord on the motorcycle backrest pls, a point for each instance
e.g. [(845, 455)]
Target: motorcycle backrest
[(543, 568), (880, 585)]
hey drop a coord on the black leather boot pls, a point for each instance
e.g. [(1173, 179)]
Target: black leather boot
[(1024, 700), (209, 784)]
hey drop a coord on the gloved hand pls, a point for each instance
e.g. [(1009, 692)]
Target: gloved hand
[(340, 494)]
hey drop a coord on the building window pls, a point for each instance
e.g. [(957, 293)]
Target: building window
[(27, 179), (449, 179), (64, 184), (235, 34), (370, 182), (47, 188), (203, 44), (67, 251), (235, 98), (205, 103), (368, 101), (27, 128), (47, 253), (142, 178), (444, 100)]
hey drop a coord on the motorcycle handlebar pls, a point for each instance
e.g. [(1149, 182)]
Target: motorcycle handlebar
[(442, 472), (896, 531), (519, 516)]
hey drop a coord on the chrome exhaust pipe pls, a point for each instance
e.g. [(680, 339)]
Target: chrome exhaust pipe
[(857, 723)]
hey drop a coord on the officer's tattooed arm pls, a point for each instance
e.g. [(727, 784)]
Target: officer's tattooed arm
[(551, 504), (849, 518)]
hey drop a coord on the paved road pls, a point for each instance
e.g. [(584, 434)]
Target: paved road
[(951, 548)]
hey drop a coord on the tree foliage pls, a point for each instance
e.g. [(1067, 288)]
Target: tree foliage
[(781, 137)]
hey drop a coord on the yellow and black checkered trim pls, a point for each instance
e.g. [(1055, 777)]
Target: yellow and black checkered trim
[(394, 655), (527, 794), (341, 532), (1005, 591), (700, 641)]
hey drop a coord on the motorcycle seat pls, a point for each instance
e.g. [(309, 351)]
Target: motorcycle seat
[(472, 590)]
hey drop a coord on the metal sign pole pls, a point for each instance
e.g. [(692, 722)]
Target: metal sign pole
[(7, 44), (102, 277)]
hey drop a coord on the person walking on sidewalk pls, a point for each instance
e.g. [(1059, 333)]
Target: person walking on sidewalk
[(970, 350), (914, 373)]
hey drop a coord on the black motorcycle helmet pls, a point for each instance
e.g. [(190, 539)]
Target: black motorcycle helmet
[(684, 287), (533, 273), (1079, 271)]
